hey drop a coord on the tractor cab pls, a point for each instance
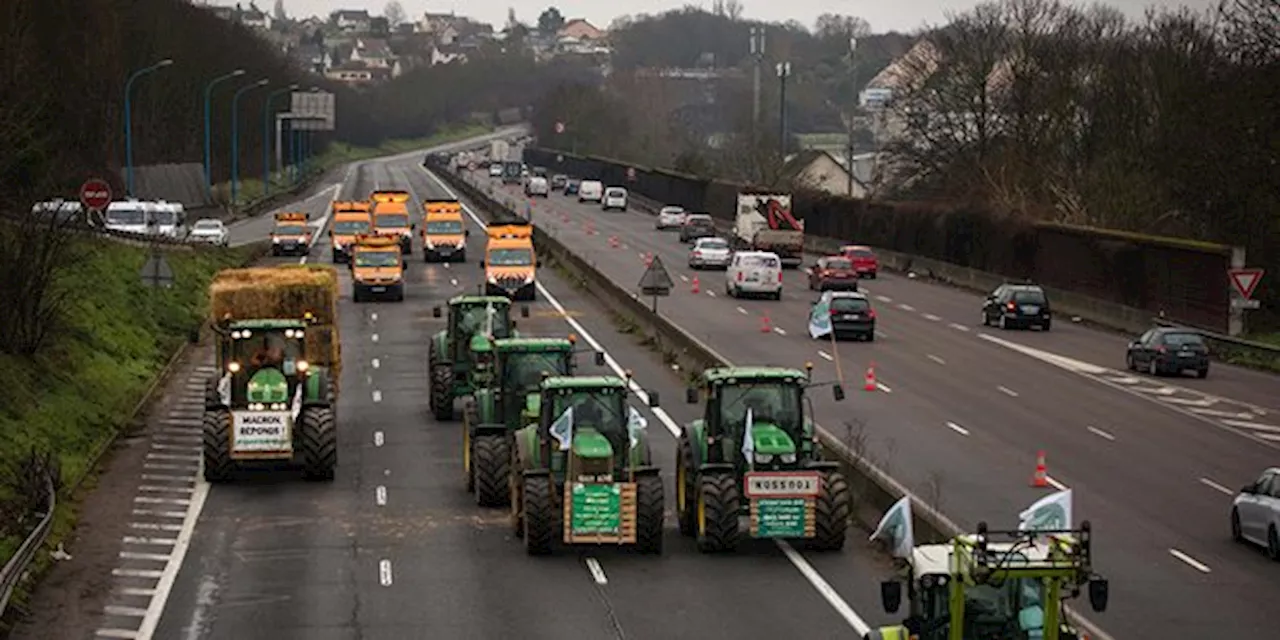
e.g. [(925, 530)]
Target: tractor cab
[(597, 445), (995, 584), (264, 363), (462, 353), (522, 364)]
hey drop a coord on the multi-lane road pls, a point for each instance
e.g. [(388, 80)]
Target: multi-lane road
[(962, 410), (395, 549)]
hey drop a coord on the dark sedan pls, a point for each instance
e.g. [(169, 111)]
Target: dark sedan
[(697, 225), (1017, 305), (1169, 350), (571, 186), (833, 273)]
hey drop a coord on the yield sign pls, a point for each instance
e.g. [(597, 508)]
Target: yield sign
[(1245, 280)]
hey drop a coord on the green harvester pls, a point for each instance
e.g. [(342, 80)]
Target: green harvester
[(452, 354)]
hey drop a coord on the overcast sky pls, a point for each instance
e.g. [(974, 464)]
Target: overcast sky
[(903, 15)]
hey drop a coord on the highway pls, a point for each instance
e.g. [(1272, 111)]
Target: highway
[(961, 410), (394, 548)]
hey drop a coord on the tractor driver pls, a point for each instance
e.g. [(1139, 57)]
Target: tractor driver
[(269, 354)]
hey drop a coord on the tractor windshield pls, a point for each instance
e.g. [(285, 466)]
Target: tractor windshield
[(257, 349), (601, 409), (474, 319), (1007, 610), (770, 401), (523, 372)]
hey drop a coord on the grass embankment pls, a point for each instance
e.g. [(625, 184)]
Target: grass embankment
[(250, 189), (111, 340)]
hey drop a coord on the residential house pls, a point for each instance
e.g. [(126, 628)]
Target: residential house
[(581, 29), (254, 18), (828, 172), (311, 57), (350, 21), (373, 52), (357, 74), (436, 22), (448, 53)]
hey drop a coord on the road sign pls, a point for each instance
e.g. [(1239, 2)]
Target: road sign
[(1245, 280), (656, 281), (559, 127), (156, 272), (95, 194), (1240, 303), (631, 174)]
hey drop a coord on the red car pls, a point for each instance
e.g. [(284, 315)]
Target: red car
[(863, 258), (833, 273)]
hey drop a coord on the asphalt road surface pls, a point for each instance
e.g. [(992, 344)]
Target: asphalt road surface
[(961, 410), (394, 548)]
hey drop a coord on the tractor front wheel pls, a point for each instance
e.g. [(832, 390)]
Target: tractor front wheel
[(216, 433), (719, 503), (831, 513), (318, 439), (650, 513), (686, 489), (442, 391), (491, 466), (540, 516)]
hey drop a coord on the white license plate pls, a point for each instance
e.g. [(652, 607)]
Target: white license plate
[(767, 484), (377, 289), (1031, 310), (755, 277), (851, 316), (262, 432)]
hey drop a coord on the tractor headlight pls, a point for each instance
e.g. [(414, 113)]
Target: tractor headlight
[(278, 406), (788, 458), (764, 458), (233, 367), (257, 406), (303, 365), (493, 280)]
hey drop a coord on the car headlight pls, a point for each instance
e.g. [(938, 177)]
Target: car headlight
[(428, 243), (276, 240), (788, 457), (764, 458), (528, 278)]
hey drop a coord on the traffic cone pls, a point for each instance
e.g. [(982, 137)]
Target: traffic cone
[(648, 259), (696, 287), (765, 326), (613, 241), (869, 380), (1041, 477)]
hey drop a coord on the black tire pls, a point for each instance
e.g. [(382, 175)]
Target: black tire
[(517, 502), (462, 255), (491, 468), (871, 336), (650, 514), (1273, 544), (686, 477), (721, 504), (442, 392), (212, 400), (1046, 325), (541, 520), (1237, 533), (1202, 373), (216, 445), (1129, 363), (318, 441), (831, 513), (468, 453)]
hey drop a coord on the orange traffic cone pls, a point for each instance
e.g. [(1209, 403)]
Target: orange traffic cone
[(869, 380), (1041, 477), (697, 288), (765, 326), (613, 241), (648, 259)]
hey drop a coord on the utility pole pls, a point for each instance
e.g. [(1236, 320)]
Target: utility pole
[(757, 58), (784, 70), (853, 70)]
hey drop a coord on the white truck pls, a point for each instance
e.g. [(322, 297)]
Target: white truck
[(498, 150), (764, 223)]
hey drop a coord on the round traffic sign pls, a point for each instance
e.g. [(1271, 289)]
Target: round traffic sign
[(95, 194), (631, 174), (559, 127)]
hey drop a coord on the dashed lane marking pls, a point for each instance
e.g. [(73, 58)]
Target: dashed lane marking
[(958, 327), (384, 572), (883, 387), (380, 496), (159, 542), (826, 356), (1216, 487), (1101, 434), (936, 359), (1055, 484), (931, 318), (1007, 391), (780, 331), (597, 571), (149, 574), (377, 364), (957, 428), (118, 634), (378, 439), (377, 396), (1191, 562), (906, 307)]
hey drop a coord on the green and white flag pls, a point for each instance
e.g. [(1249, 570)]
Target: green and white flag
[(1050, 513), (562, 429), (748, 439), (635, 424), (489, 313), (820, 318), (896, 530)]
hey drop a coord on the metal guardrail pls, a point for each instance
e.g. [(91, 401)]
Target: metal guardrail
[(16, 568), (1271, 349)]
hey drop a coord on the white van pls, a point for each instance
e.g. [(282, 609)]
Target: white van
[(590, 191), (754, 273), (170, 220), (614, 198), (129, 216)]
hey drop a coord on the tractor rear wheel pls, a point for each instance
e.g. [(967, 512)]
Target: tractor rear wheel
[(719, 504), (491, 466), (442, 391), (831, 513), (517, 505), (216, 434), (540, 516), (650, 513), (318, 439), (686, 489)]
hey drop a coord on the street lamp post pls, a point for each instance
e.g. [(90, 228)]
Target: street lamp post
[(128, 119), (756, 48), (266, 137), (853, 66), (208, 142), (784, 70), (235, 136)]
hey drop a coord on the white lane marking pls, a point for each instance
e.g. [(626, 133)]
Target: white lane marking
[(684, 278), (936, 359), (368, 379), (883, 387), (1216, 487), (906, 307), (151, 488), (1124, 379), (780, 331), (173, 447), (118, 634), (155, 526), (377, 364), (1193, 402), (377, 396), (1007, 391), (825, 355), (453, 281), (1192, 562), (1055, 484), (163, 542), (152, 557), (957, 428), (150, 574), (380, 496), (378, 438), (172, 456), (1070, 364), (373, 315), (320, 227), (1238, 415), (162, 477), (742, 311), (796, 559), (384, 572), (597, 571), (127, 612), (884, 298), (151, 513), (711, 293), (374, 337), (1158, 391), (1244, 424), (958, 327), (150, 500), (134, 591), (1101, 434), (931, 318)]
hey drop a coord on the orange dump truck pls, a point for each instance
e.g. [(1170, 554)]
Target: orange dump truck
[(391, 216), (444, 232), (291, 234), (377, 268), (509, 263), (350, 219)]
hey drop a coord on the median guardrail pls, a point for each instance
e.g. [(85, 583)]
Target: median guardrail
[(1237, 350), (16, 568)]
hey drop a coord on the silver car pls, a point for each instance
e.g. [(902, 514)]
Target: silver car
[(670, 217), (710, 253), (211, 231), (1255, 513)]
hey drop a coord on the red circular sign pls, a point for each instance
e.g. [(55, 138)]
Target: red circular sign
[(95, 194), (559, 127)]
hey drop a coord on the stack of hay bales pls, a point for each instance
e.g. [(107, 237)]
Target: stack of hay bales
[(284, 293)]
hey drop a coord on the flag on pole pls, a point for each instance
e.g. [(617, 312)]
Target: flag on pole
[(1050, 513), (562, 429), (820, 318), (748, 438), (896, 530), (635, 424), (489, 313)]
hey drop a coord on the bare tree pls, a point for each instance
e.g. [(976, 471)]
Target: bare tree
[(394, 13)]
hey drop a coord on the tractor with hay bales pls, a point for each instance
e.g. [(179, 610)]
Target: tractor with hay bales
[(451, 355), (273, 397)]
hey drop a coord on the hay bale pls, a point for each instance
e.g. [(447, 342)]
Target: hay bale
[(322, 342), (276, 292)]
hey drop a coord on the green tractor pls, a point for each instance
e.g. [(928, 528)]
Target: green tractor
[(273, 400), (790, 491), (473, 319), (506, 381), (996, 584), (583, 473)]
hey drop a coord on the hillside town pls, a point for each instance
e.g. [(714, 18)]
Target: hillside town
[(360, 49)]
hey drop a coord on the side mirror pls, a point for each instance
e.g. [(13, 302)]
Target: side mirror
[(524, 311), (435, 312), (654, 399), (891, 595), (691, 395), (1099, 589), (837, 392), (599, 358)]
